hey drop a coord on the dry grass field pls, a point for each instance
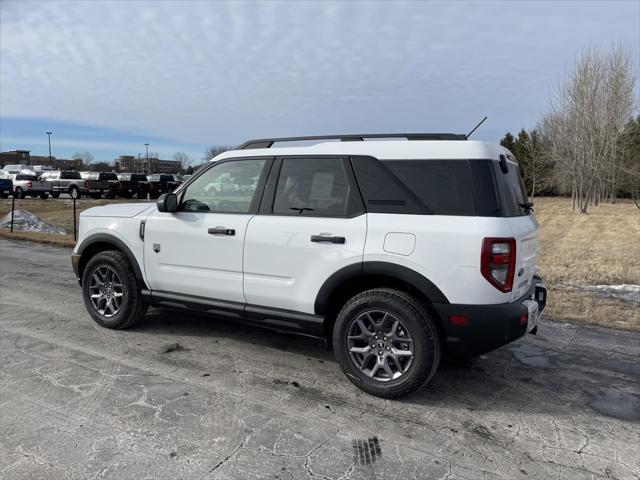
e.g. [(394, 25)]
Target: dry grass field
[(602, 247)]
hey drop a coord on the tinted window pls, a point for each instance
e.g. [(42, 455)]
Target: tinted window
[(443, 186), (485, 188), (108, 176), (70, 175), (382, 191), (227, 187), (312, 186), (513, 195), (138, 177), (27, 177)]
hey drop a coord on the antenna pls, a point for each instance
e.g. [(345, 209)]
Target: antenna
[(475, 128)]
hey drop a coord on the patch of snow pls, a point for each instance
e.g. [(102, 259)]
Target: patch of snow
[(28, 222), (625, 292)]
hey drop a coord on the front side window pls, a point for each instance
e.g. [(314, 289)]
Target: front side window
[(228, 187), (312, 186)]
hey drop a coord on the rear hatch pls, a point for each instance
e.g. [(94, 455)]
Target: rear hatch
[(514, 206)]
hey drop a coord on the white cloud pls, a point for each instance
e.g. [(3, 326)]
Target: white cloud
[(208, 72)]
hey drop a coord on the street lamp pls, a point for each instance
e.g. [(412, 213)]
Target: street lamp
[(49, 135), (146, 145)]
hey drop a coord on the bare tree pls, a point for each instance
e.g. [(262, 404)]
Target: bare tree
[(215, 150), (183, 160), (86, 158), (588, 114)]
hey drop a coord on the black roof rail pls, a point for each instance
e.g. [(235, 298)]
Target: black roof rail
[(268, 142)]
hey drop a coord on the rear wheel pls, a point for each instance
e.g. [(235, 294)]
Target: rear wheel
[(18, 193), (386, 343), (111, 291), (44, 196), (55, 194), (74, 192)]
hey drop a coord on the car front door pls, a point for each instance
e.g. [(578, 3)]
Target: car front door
[(311, 224), (197, 250)]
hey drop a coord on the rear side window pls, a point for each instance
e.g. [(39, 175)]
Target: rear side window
[(70, 175), (512, 191), (443, 186), (313, 186)]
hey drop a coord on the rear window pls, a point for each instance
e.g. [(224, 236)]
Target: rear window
[(108, 176), (498, 194), (443, 186)]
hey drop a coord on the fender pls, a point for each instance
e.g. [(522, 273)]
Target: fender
[(116, 242), (387, 269)]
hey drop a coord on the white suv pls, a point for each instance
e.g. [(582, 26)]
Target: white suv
[(396, 250)]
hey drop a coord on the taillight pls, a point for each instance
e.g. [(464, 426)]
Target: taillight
[(498, 262), (29, 184)]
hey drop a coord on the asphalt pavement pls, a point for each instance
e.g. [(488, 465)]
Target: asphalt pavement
[(191, 397)]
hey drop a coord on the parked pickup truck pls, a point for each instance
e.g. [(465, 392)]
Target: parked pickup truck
[(6, 184), (161, 183), (29, 184), (132, 185), (66, 182), (101, 184)]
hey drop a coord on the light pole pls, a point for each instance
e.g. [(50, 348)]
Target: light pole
[(138, 163), (49, 135), (146, 145)]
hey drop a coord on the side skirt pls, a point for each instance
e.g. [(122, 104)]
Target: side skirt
[(276, 319)]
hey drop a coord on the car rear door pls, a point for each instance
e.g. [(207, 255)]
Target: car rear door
[(311, 223), (197, 250)]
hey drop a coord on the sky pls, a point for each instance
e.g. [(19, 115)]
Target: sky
[(108, 76)]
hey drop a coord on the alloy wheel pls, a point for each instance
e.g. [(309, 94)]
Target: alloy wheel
[(379, 345), (105, 291)]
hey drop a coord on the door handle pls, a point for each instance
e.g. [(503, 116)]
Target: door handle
[(327, 238), (221, 231)]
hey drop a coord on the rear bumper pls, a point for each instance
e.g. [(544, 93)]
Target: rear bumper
[(491, 326)]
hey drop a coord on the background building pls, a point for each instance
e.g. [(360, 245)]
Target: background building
[(24, 157), (130, 163)]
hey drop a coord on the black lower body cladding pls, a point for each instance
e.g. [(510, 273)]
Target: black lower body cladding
[(488, 326)]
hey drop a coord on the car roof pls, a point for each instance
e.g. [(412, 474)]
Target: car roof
[(384, 150)]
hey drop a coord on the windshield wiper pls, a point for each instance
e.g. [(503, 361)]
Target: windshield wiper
[(528, 206)]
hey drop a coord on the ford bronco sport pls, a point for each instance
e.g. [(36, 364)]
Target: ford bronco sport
[(396, 250)]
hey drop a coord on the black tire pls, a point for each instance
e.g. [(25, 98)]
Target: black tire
[(132, 308), (55, 194), (18, 193), (4, 195), (420, 328), (44, 196), (74, 192)]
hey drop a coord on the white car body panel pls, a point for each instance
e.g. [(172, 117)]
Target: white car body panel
[(191, 261), (284, 269)]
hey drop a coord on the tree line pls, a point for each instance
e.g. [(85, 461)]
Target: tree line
[(587, 145)]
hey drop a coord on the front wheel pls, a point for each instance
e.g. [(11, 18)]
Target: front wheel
[(111, 291), (386, 342), (55, 194)]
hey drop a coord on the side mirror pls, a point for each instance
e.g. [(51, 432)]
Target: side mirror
[(167, 202)]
